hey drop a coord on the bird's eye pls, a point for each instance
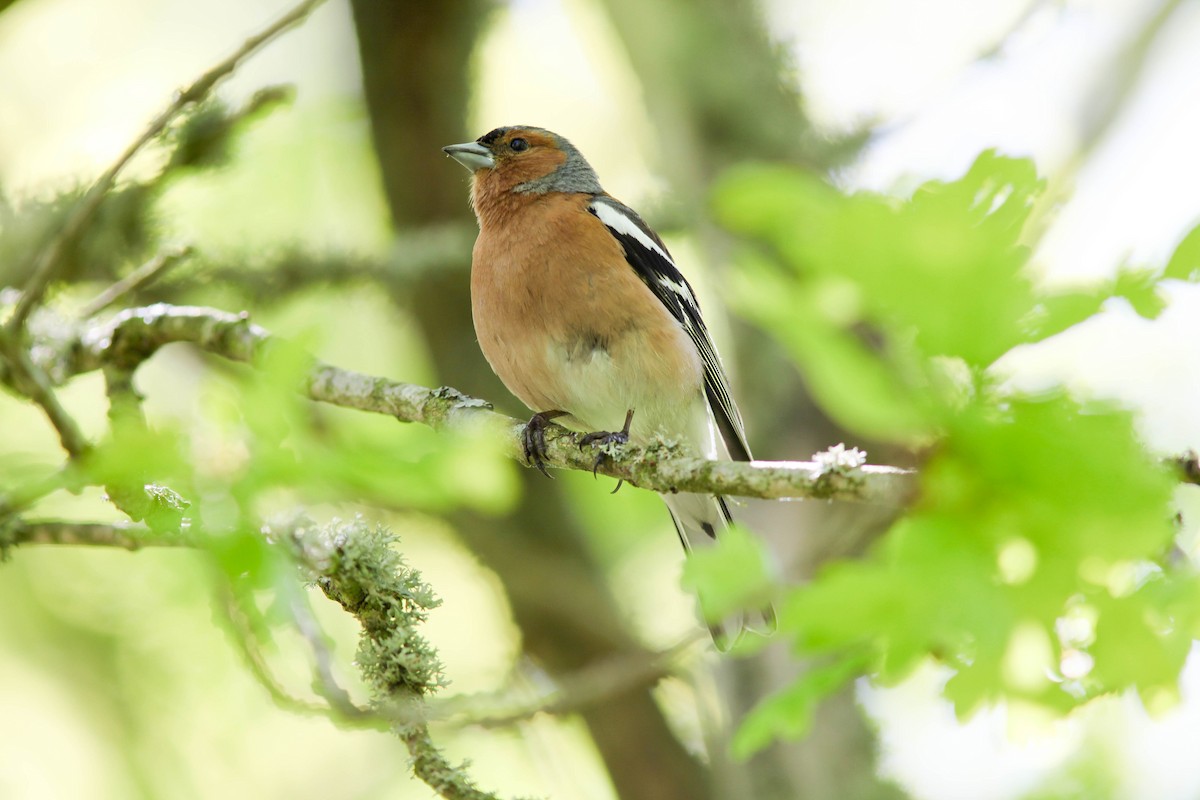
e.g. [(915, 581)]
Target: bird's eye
[(517, 145)]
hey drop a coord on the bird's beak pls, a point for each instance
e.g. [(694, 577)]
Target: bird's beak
[(471, 155)]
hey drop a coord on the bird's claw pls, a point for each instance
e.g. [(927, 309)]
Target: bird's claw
[(533, 440), (603, 438)]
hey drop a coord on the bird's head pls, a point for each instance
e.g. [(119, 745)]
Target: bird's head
[(521, 159)]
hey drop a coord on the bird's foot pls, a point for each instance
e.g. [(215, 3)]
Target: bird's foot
[(603, 438), (533, 439)]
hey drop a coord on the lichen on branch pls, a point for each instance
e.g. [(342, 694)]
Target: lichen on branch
[(134, 335)]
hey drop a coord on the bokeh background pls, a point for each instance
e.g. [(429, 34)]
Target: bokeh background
[(116, 678)]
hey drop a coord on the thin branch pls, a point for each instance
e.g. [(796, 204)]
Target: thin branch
[(1019, 24), (1107, 99), (33, 490), (326, 684), (346, 713), (1188, 466), (136, 334), (135, 280), (244, 638), (29, 378), (18, 531), (33, 382), (429, 249), (50, 257), (593, 684)]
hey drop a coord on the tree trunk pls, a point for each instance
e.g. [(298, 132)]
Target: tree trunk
[(416, 61)]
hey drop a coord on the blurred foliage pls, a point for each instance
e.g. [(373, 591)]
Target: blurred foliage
[(241, 453), (1039, 540), (127, 229), (1035, 561), (730, 578)]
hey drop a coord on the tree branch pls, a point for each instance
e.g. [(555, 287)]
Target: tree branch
[(356, 567), (17, 531), (136, 334)]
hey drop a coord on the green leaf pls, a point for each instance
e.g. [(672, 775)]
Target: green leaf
[(134, 454), (245, 556), (1140, 288), (948, 264), (789, 713), (1136, 644), (1185, 263), (1022, 502), (731, 575), (850, 382), (1073, 479), (1056, 312)]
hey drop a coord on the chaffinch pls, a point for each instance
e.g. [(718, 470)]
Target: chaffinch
[(582, 313)]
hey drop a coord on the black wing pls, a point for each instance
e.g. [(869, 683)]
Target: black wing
[(649, 258)]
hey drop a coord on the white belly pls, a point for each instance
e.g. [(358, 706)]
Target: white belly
[(601, 388)]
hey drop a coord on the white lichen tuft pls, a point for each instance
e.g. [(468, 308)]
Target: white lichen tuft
[(839, 458)]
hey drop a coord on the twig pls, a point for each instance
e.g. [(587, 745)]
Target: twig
[(49, 258), (326, 683), (591, 685), (1106, 98), (33, 382), (29, 492), (134, 280), (244, 637), (18, 531), (434, 248), (1188, 466), (356, 567)]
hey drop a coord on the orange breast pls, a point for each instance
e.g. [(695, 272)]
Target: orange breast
[(566, 323)]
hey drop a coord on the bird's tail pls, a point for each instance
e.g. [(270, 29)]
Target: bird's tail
[(700, 519)]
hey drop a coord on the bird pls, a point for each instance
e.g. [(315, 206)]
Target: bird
[(585, 317)]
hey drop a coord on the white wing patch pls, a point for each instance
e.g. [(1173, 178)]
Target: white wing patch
[(620, 222), (615, 219)]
